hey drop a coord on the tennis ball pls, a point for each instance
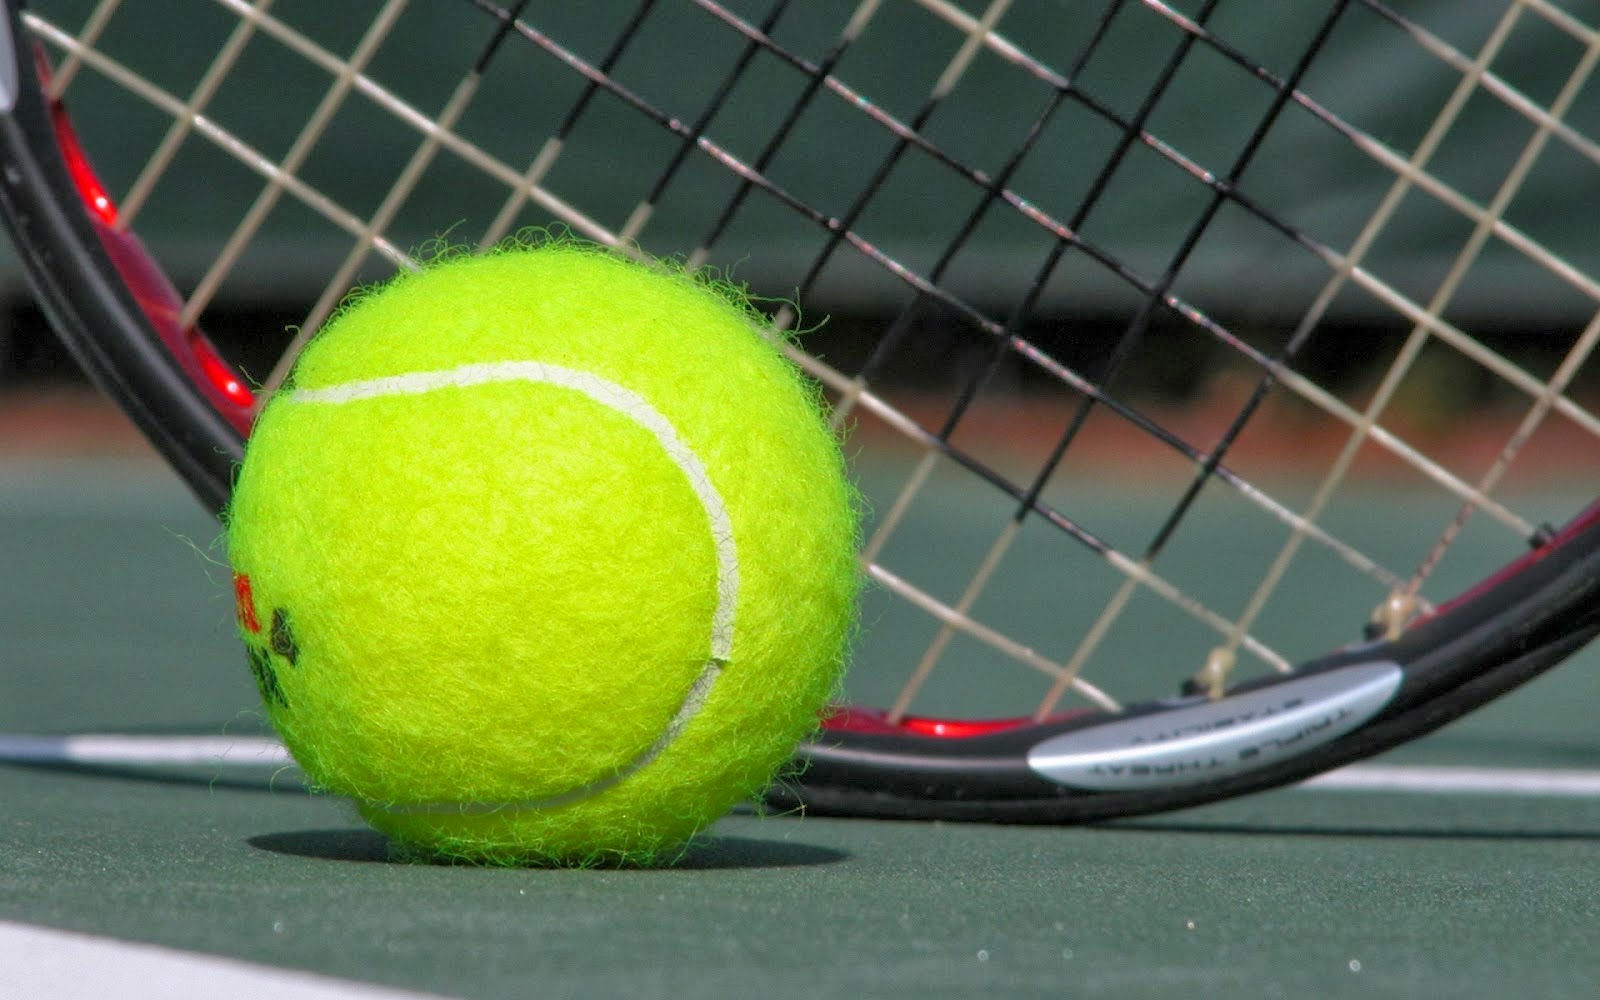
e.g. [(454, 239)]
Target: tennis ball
[(544, 556)]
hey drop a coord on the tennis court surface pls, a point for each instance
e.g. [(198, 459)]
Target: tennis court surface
[(1464, 865), (1166, 338)]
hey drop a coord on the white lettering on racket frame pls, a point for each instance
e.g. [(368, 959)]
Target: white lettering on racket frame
[(1216, 739)]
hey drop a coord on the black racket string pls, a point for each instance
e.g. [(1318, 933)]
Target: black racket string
[(1004, 335), (1004, 339)]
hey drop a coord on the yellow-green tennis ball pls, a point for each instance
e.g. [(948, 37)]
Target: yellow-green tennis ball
[(544, 556)]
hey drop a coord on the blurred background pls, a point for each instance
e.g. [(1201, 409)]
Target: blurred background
[(1253, 281), (837, 161)]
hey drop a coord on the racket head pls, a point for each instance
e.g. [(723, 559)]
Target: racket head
[(1076, 246)]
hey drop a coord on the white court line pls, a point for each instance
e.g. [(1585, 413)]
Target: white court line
[(109, 750), (1438, 780), (143, 751), (45, 964)]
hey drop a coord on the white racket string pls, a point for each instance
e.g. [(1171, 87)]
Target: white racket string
[(963, 607)]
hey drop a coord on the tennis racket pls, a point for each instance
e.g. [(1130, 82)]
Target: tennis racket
[(1086, 282)]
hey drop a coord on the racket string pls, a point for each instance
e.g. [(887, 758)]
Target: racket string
[(282, 178), (1006, 340)]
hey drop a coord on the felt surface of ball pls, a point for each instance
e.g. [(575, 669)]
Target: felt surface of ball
[(544, 556)]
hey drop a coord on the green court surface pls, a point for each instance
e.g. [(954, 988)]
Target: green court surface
[(115, 617)]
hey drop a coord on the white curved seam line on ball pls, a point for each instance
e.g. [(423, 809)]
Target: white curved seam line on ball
[(638, 409)]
